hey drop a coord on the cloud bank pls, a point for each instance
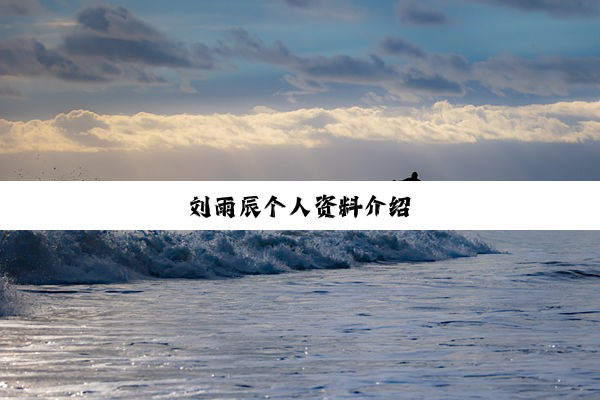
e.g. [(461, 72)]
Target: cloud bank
[(85, 131), (110, 45), (420, 74)]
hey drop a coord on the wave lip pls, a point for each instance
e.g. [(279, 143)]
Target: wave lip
[(73, 257)]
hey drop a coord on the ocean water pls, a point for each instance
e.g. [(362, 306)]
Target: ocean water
[(452, 315)]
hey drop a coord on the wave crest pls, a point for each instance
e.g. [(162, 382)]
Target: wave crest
[(56, 257)]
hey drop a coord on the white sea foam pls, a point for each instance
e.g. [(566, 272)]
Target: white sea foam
[(10, 300)]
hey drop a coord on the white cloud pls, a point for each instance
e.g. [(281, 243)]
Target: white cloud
[(264, 110), (85, 131)]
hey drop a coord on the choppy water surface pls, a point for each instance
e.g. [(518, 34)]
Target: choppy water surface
[(519, 324)]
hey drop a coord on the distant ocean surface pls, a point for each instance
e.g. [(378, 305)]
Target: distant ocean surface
[(319, 314)]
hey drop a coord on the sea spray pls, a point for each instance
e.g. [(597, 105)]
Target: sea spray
[(11, 303), (56, 257)]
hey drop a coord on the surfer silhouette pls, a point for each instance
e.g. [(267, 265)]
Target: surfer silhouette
[(413, 177)]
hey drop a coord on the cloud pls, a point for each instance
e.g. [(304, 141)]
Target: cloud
[(400, 47), (115, 35), (425, 75), (264, 110), (8, 91), (19, 7), (22, 57), (85, 131), (315, 72), (243, 44), (28, 57), (115, 21), (77, 125), (544, 76), (299, 3), (556, 8), (329, 9), (412, 13), (108, 44)]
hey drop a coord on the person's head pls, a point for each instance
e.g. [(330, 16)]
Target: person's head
[(414, 175)]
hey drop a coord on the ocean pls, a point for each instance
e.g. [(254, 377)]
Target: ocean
[(319, 314)]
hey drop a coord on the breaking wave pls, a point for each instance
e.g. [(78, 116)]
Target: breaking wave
[(10, 300), (77, 257)]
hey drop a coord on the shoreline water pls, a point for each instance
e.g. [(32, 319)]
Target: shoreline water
[(483, 326)]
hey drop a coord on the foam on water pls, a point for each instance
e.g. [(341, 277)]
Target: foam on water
[(73, 257)]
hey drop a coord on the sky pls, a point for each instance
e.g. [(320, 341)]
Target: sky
[(299, 89)]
